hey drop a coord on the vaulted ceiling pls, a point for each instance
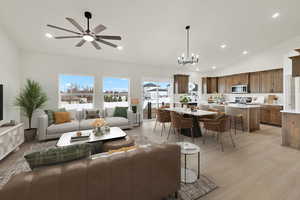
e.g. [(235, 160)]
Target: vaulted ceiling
[(153, 30)]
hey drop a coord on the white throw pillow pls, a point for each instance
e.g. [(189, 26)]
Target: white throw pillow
[(73, 114)]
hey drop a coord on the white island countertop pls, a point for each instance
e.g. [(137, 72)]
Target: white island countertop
[(291, 111), (243, 106)]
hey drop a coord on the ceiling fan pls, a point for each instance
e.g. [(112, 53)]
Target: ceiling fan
[(87, 35)]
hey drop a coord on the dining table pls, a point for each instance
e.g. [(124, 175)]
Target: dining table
[(196, 115)]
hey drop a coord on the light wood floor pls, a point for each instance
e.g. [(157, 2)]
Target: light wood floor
[(259, 168)]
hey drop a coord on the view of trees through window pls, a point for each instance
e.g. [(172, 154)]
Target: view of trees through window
[(115, 92), (76, 92)]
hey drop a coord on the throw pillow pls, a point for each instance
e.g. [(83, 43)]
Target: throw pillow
[(62, 117), (120, 112), (50, 114), (123, 149), (58, 155), (92, 114)]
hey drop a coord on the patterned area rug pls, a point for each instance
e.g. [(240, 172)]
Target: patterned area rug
[(198, 189), (187, 192)]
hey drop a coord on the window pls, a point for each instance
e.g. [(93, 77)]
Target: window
[(115, 92), (155, 95), (76, 92), (193, 91)]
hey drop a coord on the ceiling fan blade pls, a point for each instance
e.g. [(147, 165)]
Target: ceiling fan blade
[(79, 44), (99, 28), (63, 29), (96, 45), (109, 37), (107, 43), (72, 21), (66, 37)]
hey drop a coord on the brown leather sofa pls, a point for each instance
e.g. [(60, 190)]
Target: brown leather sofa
[(148, 173)]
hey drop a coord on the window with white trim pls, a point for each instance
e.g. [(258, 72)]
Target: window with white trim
[(76, 92), (115, 92)]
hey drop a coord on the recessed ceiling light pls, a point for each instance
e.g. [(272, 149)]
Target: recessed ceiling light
[(197, 69), (275, 15), (48, 35), (223, 46), (120, 48), (214, 67), (245, 52)]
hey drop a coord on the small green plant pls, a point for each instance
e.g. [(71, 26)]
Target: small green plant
[(30, 99), (185, 99)]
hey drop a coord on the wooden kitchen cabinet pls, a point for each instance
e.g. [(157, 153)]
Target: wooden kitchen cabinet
[(222, 85), (181, 84), (266, 85), (254, 82), (278, 80), (228, 84), (270, 114), (209, 85), (272, 81)]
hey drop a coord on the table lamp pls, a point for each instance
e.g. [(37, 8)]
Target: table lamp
[(134, 103)]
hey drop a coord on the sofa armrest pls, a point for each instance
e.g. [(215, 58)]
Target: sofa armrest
[(130, 117), (42, 127)]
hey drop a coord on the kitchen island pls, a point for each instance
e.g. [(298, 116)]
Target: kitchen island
[(249, 113), (291, 128)]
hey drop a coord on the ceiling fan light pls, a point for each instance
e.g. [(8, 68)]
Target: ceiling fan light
[(88, 38)]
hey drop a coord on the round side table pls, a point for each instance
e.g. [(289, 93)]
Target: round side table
[(188, 175)]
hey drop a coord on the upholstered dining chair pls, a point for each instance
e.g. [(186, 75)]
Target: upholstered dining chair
[(179, 122), (220, 125), (162, 117)]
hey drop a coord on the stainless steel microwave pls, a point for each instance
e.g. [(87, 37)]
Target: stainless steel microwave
[(239, 89)]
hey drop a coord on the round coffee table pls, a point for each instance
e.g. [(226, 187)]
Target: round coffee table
[(188, 175)]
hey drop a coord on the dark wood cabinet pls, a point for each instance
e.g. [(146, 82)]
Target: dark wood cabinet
[(240, 79), (271, 115), (181, 84), (254, 82), (209, 85)]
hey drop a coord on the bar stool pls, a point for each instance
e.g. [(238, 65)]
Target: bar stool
[(237, 121)]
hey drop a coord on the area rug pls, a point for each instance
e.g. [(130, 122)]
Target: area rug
[(196, 190)]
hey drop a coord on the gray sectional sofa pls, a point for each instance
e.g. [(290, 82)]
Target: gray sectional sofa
[(79, 122)]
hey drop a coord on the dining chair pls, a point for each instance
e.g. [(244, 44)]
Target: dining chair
[(220, 125), (178, 122), (162, 117)]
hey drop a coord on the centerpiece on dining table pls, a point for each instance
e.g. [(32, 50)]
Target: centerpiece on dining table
[(100, 127)]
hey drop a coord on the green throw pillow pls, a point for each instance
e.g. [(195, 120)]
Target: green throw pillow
[(58, 155), (50, 114), (120, 112)]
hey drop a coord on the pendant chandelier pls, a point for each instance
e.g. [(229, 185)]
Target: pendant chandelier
[(193, 59)]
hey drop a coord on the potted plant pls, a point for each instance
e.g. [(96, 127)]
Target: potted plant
[(184, 100), (29, 100)]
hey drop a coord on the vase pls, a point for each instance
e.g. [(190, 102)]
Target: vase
[(98, 131)]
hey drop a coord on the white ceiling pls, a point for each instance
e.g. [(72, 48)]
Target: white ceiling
[(153, 30)]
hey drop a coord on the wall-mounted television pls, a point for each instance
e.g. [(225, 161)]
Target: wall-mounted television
[(1, 102)]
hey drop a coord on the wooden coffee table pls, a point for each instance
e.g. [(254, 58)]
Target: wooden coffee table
[(114, 133)]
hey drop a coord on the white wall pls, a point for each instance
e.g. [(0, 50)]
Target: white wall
[(269, 59), (9, 76), (45, 69), (272, 58)]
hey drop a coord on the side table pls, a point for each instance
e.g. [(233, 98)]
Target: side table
[(188, 175)]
